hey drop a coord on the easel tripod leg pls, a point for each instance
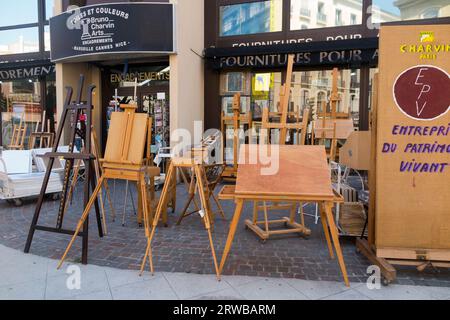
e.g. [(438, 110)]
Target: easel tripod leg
[(82, 220), (161, 203)]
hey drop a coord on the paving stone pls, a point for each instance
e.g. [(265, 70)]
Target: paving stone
[(191, 285), (403, 292), (155, 289), (31, 290), (317, 289), (350, 294), (269, 289)]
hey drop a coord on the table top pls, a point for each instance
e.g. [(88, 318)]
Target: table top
[(344, 127), (303, 172)]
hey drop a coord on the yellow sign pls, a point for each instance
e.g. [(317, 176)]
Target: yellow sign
[(262, 82), (428, 47)]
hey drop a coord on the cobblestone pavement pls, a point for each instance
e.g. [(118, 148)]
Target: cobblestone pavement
[(185, 248)]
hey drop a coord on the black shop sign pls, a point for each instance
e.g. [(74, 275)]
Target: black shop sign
[(111, 31), (354, 57), (26, 72)]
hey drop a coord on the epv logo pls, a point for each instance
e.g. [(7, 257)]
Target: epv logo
[(422, 92)]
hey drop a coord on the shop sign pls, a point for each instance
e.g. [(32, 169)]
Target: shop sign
[(297, 40), (348, 57), (426, 47), (140, 76), (26, 72), (85, 33), (413, 140)]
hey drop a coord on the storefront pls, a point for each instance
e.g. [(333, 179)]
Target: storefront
[(247, 43), (133, 51), (27, 77)]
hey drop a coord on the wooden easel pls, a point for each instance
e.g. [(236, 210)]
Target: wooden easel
[(72, 111), (324, 136), (18, 135), (98, 173), (267, 124), (129, 134), (335, 98), (45, 138), (236, 121), (216, 171), (205, 212)]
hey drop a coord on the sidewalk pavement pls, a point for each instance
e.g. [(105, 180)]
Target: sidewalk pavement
[(28, 277)]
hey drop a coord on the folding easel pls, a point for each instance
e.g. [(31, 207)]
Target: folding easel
[(18, 135), (71, 111), (236, 120), (129, 134), (45, 138), (205, 212), (213, 174)]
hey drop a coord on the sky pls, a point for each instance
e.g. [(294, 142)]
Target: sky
[(20, 12), (387, 5)]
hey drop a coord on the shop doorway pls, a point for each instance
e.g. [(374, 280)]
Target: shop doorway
[(152, 97)]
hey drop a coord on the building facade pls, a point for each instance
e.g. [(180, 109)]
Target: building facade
[(190, 62), (247, 43)]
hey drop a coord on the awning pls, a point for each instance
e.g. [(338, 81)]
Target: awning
[(351, 53)]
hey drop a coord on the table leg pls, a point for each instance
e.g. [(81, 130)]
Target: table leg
[(231, 233), (337, 246), (326, 230)]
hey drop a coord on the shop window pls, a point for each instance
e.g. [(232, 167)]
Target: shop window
[(19, 12), (20, 102), (251, 17), (320, 14), (312, 89), (392, 10), (265, 92), (19, 41)]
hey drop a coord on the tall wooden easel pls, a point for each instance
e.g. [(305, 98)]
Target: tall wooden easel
[(72, 111), (283, 114), (205, 212), (129, 134), (236, 121)]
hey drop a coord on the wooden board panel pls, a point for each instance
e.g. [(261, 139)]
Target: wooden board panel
[(114, 145), (284, 171), (138, 138), (413, 205), (344, 127), (356, 151)]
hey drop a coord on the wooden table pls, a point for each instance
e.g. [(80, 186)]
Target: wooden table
[(303, 176)]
